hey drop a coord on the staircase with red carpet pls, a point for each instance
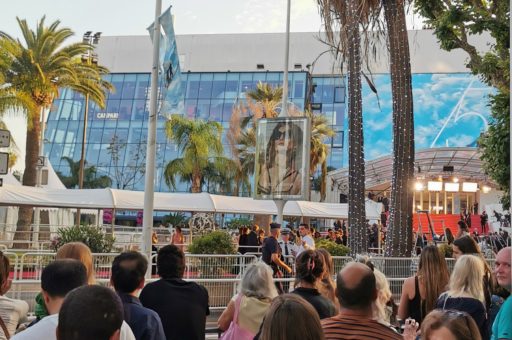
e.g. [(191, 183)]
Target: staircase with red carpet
[(449, 221)]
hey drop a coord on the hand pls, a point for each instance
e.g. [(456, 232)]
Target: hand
[(289, 269), (410, 330)]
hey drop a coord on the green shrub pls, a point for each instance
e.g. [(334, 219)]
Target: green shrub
[(239, 222), (93, 237), (332, 247), (216, 242)]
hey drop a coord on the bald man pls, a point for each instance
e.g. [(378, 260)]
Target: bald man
[(356, 290), (502, 326)]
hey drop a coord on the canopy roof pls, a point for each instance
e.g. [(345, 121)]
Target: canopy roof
[(11, 195), (428, 163)]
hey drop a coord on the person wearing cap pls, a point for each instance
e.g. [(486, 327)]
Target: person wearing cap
[(271, 254), (288, 252)]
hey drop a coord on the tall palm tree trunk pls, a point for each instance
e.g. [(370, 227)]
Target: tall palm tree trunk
[(356, 205), (29, 179), (399, 240)]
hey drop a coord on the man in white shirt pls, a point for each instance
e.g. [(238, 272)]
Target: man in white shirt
[(57, 280), (307, 241), (288, 252)]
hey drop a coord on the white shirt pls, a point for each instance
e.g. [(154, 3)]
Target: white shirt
[(293, 249), (46, 330), (309, 244), (12, 312)]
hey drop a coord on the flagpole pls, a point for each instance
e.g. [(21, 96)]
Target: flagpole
[(149, 188)]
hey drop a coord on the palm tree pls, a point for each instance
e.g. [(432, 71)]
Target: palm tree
[(199, 143), (36, 69), (348, 16), (320, 131), (399, 243), (91, 180)]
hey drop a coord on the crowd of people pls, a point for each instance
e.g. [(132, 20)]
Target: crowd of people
[(471, 303)]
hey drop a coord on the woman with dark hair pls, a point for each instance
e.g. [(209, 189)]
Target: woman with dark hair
[(309, 270), (280, 174), (326, 285), (242, 240), (448, 236), (463, 229), (291, 317), (420, 292)]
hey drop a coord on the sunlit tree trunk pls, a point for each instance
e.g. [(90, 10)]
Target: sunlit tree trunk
[(399, 239), (356, 205), (29, 179)]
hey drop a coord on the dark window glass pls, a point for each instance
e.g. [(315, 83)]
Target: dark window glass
[(112, 106), (190, 108), (216, 110), (247, 85), (205, 86), (130, 83), (227, 110), (203, 109), (218, 87), (328, 94), (339, 115), (339, 94), (117, 81), (299, 89), (193, 89), (231, 89), (143, 86), (93, 151), (125, 110), (317, 92), (337, 140), (139, 110)]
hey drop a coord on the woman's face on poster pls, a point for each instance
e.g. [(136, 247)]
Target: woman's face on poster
[(283, 141)]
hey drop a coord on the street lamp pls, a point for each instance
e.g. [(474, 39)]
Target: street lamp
[(88, 58)]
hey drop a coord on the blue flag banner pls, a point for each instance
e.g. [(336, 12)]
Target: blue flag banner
[(169, 72)]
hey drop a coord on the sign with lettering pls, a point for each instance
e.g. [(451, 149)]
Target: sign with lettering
[(107, 115)]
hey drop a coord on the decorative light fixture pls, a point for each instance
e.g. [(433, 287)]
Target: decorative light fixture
[(418, 186), (455, 180), (469, 187), (451, 187), (435, 186), (486, 189)]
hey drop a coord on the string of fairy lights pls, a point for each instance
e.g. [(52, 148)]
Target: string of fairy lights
[(399, 239), (356, 192)]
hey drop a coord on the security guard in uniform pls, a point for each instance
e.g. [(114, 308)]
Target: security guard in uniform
[(288, 252)]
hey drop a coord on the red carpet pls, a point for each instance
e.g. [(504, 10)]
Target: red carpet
[(450, 221)]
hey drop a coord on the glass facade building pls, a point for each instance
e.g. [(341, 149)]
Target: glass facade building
[(450, 110)]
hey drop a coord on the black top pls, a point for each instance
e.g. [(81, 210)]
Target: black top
[(182, 307), (472, 306), (252, 240), (144, 322), (417, 307), (242, 242), (270, 246), (323, 306)]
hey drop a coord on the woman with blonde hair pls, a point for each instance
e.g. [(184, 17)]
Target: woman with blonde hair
[(465, 292), (291, 317), (420, 292), (81, 252), (244, 314), (383, 308)]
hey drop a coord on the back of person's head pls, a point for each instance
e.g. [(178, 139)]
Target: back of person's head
[(365, 259), (467, 245), (62, 276), (128, 270), (5, 266), (433, 272), (90, 312), (460, 324), (467, 277), (383, 295), (309, 266), (356, 287), (170, 262), (328, 262), (257, 282), (80, 252), (305, 225), (291, 317)]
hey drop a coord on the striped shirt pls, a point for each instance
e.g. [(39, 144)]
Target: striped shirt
[(347, 327)]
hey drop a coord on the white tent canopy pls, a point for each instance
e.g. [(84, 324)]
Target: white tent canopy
[(11, 195)]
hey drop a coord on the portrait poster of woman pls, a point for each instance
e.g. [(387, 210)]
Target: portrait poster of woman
[(282, 158)]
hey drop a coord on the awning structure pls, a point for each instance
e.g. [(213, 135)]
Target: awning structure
[(428, 163), (11, 195)]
